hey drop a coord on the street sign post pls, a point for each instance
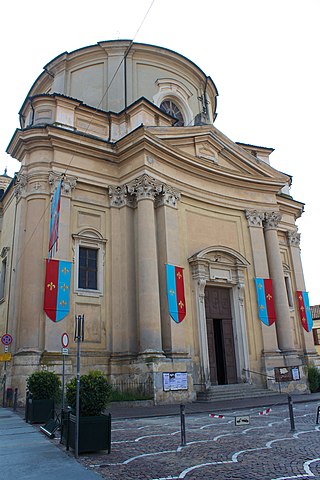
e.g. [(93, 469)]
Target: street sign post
[(64, 351), (78, 337), (6, 340)]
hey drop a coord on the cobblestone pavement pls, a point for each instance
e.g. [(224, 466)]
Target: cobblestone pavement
[(264, 449)]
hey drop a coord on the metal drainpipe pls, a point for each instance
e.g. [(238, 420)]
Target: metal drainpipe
[(125, 82), (8, 305)]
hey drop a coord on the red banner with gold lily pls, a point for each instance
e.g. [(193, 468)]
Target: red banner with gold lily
[(304, 310), (57, 289), (175, 293)]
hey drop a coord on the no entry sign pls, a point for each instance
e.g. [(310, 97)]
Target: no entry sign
[(64, 340)]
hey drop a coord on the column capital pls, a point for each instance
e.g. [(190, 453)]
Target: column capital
[(293, 238), (119, 196), (254, 218), (68, 182), (145, 187), (168, 196), (271, 220), (20, 185)]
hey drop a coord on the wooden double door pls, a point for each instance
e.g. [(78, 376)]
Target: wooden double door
[(222, 360)]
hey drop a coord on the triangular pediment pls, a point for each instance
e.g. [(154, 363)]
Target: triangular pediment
[(214, 150)]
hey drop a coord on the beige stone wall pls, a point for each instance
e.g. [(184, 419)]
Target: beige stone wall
[(147, 195)]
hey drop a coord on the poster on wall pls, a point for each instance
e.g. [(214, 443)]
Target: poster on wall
[(175, 381)]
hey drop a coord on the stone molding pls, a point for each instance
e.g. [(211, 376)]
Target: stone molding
[(254, 217), (293, 238), (271, 220), (143, 187)]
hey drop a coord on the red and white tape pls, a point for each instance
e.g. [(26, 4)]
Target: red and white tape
[(265, 412), (213, 415)]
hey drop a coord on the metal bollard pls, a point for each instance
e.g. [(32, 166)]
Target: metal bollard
[(317, 419), (183, 425), (15, 399), (290, 404)]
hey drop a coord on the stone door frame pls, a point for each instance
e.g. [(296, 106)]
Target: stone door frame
[(222, 267)]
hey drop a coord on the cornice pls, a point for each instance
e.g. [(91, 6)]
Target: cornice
[(50, 137)]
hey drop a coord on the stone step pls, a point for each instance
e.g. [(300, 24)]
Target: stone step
[(229, 392)]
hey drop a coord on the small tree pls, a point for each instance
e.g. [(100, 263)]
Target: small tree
[(44, 385), (95, 393), (313, 378)]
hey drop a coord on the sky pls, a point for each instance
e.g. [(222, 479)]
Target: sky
[(263, 56)]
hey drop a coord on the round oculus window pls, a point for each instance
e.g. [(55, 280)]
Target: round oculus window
[(171, 108)]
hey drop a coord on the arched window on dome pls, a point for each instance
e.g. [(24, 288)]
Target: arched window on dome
[(172, 109)]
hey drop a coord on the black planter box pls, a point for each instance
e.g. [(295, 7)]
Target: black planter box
[(94, 433), (39, 411)]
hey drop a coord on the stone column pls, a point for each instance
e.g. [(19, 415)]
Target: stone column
[(294, 244), (261, 270), (173, 334), (145, 189), (123, 293), (283, 324)]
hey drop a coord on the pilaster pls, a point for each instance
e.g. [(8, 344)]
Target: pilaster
[(173, 334), (293, 238), (123, 291), (255, 222)]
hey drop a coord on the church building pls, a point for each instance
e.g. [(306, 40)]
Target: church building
[(178, 246)]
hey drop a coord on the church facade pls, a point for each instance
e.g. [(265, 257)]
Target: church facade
[(126, 130)]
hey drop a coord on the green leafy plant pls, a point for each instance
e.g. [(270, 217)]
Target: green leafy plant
[(313, 378), (129, 396), (44, 385), (95, 393)]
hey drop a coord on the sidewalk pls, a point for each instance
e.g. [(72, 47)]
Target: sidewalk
[(27, 454)]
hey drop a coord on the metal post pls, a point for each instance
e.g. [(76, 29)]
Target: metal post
[(15, 399), (79, 336), (63, 381), (318, 412), (290, 404), (183, 425), (4, 404)]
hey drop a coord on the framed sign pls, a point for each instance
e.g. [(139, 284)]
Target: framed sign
[(286, 374), (175, 381)]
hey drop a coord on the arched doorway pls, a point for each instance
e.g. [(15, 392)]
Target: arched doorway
[(221, 351), (219, 284)]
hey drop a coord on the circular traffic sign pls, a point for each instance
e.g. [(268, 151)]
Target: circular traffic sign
[(64, 340), (6, 339)]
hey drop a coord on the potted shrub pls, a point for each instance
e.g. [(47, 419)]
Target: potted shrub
[(43, 391), (94, 427)]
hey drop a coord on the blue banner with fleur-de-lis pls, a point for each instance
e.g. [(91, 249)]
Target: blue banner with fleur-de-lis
[(57, 289)]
